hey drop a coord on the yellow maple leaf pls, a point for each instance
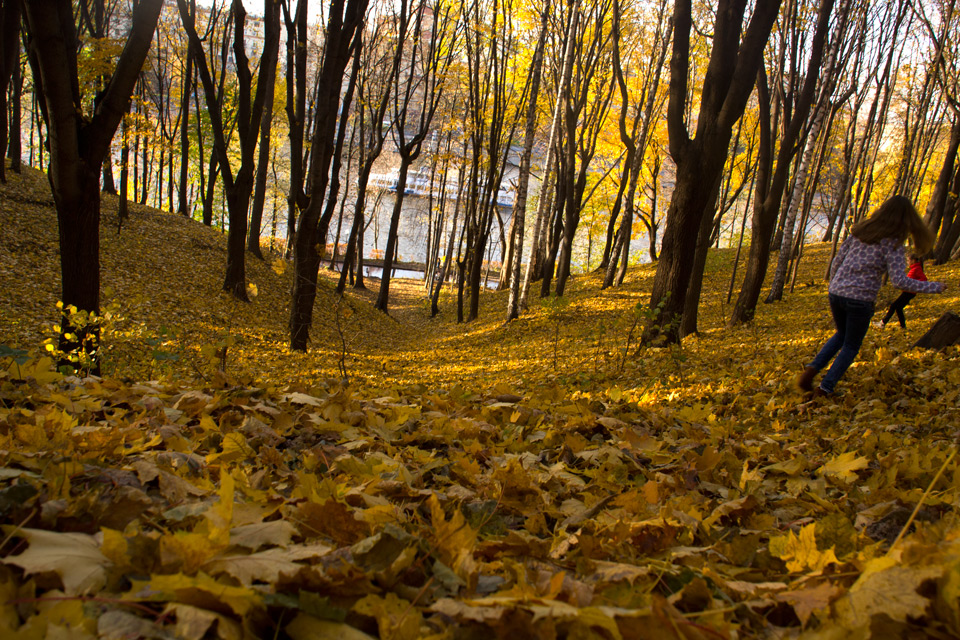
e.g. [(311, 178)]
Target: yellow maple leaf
[(800, 552), (75, 557), (397, 618), (192, 589), (844, 467), (885, 588), (454, 541)]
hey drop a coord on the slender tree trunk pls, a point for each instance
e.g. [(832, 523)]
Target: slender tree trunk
[(14, 147), (938, 200), (183, 205), (344, 18), (260, 187), (389, 255), (542, 205), (448, 260), (122, 205)]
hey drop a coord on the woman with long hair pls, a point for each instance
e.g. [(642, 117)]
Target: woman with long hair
[(875, 246)]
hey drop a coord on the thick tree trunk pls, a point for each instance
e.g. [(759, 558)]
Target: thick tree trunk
[(945, 332), (78, 218), (731, 72), (238, 199), (688, 323), (78, 146), (109, 186)]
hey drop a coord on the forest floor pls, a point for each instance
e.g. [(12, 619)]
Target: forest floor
[(539, 479)]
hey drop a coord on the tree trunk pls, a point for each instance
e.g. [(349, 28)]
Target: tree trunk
[(771, 181), (9, 64), (688, 323), (109, 186), (183, 206), (733, 66), (543, 204), (823, 108), (945, 332), (122, 204), (938, 200), (260, 187), (14, 147), (344, 18), (78, 146), (794, 204), (389, 255)]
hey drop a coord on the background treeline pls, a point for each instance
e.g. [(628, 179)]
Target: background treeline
[(538, 137)]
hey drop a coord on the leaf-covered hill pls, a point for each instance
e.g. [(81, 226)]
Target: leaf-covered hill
[(532, 480), (161, 281)]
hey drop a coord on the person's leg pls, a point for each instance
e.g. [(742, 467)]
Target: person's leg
[(858, 314), (833, 345), (905, 299), (890, 312), (897, 307)]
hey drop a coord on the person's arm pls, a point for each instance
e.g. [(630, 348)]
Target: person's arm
[(840, 257), (896, 260)]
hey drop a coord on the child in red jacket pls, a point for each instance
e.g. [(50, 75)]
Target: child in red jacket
[(915, 272)]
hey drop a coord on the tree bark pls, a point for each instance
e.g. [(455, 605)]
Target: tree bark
[(78, 145), (238, 187), (520, 205), (727, 86), (263, 163), (945, 332), (344, 18), (771, 181), (183, 207), (823, 107), (9, 63), (15, 144)]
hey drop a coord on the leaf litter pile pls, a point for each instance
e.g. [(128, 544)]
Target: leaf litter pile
[(535, 480)]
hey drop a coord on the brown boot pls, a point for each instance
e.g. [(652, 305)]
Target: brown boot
[(805, 379)]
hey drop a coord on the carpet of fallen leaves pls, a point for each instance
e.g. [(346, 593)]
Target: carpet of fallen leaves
[(533, 480)]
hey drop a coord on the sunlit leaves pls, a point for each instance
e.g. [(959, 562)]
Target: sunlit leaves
[(466, 483)]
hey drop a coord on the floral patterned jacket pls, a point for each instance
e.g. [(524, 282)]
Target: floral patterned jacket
[(857, 270)]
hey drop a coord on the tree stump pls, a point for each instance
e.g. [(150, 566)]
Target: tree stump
[(944, 332)]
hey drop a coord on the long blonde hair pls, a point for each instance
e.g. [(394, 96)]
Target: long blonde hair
[(895, 218)]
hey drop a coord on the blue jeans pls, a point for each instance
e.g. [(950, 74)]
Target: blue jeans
[(852, 318)]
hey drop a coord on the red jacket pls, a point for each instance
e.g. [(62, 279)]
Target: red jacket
[(915, 272)]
